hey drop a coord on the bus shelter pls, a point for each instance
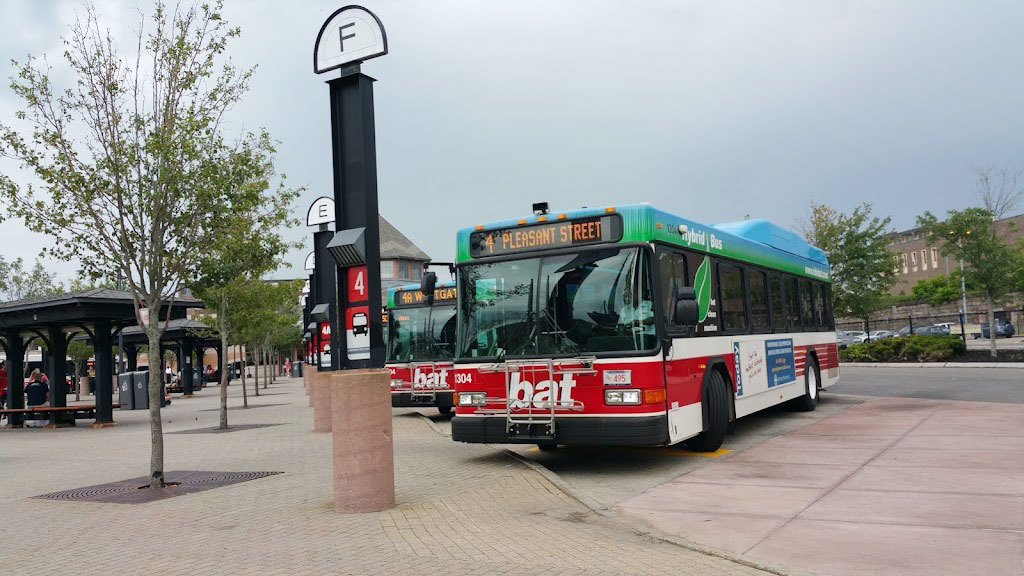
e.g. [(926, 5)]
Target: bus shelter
[(188, 338), (54, 320)]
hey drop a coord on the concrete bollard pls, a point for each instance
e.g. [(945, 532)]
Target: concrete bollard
[(322, 401), (364, 456)]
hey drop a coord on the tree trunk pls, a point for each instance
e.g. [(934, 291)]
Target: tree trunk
[(224, 372), (245, 394), (156, 433), (256, 369), (992, 326)]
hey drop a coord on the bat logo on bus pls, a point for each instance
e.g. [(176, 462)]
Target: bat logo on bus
[(437, 379), (525, 394)]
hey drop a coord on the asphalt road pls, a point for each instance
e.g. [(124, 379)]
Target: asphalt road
[(971, 384)]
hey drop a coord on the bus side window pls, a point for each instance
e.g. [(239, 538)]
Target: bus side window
[(819, 305), (830, 320), (792, 303), (806, 315), (673, 272), (756, 289), (778, 305), (731, 297)]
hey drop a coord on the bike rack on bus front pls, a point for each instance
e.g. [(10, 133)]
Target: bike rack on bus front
[(534, 413)]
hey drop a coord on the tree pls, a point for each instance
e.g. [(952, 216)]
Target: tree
[(990, 265), (858, 254), (16, 283), (938, 290), (249, 246), (131, 162)]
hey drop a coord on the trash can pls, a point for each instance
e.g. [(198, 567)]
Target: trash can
[(126, 391), (140, 382)]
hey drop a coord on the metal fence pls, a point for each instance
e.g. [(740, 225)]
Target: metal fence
[(958, 325)]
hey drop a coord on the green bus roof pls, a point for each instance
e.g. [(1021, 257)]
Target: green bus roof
[(754, 241)]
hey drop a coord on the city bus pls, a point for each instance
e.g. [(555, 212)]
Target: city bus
[(420, 345), (631, 326)]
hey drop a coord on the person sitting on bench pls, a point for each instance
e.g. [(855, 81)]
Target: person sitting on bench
[(37, 392)]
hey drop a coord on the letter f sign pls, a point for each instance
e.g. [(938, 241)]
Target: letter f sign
[(342, 36)]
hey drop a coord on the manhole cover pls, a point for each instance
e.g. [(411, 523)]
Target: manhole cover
[(218, 430), (180, 482)]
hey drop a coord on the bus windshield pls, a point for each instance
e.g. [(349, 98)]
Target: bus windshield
[(568, 304), (421, 334)]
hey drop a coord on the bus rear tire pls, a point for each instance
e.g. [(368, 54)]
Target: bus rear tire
[(716, 400), (812, 376)]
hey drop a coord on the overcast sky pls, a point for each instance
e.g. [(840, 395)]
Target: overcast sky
[(712, 110)]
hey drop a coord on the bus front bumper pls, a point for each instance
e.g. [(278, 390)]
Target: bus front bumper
[(405, 399), (582, 430)]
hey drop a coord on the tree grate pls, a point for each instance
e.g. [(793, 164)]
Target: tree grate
[(217, 430), (135, 490)]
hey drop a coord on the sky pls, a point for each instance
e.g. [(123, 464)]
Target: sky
[(711, 110)]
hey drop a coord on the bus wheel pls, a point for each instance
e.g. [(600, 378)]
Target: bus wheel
[(547, 446), (716, 400), (809, 401), (444, 410)]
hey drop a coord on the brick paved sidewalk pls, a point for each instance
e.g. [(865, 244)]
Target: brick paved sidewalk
[(462, 509)]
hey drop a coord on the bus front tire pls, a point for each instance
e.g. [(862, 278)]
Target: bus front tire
[(812, 376), (444, 410), (547, 446), (716, 400)]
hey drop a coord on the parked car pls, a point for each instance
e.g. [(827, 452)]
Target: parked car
[(857, 335), (844, 339), (879, 334), (905, 331), (932, 330), (1003, 329)]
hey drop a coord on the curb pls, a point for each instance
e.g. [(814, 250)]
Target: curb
[(638, 526), (1005, 365)]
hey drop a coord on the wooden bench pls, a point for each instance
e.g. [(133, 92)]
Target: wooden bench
[(78, 411)]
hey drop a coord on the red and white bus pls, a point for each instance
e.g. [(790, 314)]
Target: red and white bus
[(629, 325), (421, 342)]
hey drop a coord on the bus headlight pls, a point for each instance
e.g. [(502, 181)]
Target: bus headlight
[(631, 396), (472, 399)]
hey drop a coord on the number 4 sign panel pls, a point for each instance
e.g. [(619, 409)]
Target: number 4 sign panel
[(356, 284)]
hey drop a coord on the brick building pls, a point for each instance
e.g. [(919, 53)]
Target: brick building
[(915, 260)]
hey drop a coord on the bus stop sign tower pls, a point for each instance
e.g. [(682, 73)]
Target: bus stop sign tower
[(349, 36)]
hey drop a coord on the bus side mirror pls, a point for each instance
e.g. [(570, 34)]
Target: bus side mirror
[(428, 283), (685, 313)]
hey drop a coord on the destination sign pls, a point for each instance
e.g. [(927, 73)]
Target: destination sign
[(547, 236), (442, 295)]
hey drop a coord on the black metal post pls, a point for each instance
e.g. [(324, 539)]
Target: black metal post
[(327, 291), (15, 375), (185, 366), (104, 372), (355, 195)]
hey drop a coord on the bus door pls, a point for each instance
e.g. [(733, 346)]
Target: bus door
[(684, 364)]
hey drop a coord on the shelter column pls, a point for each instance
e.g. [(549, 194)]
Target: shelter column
[(185, 365), (131, 353), (104, 373), (15, 375), (58, 372)]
